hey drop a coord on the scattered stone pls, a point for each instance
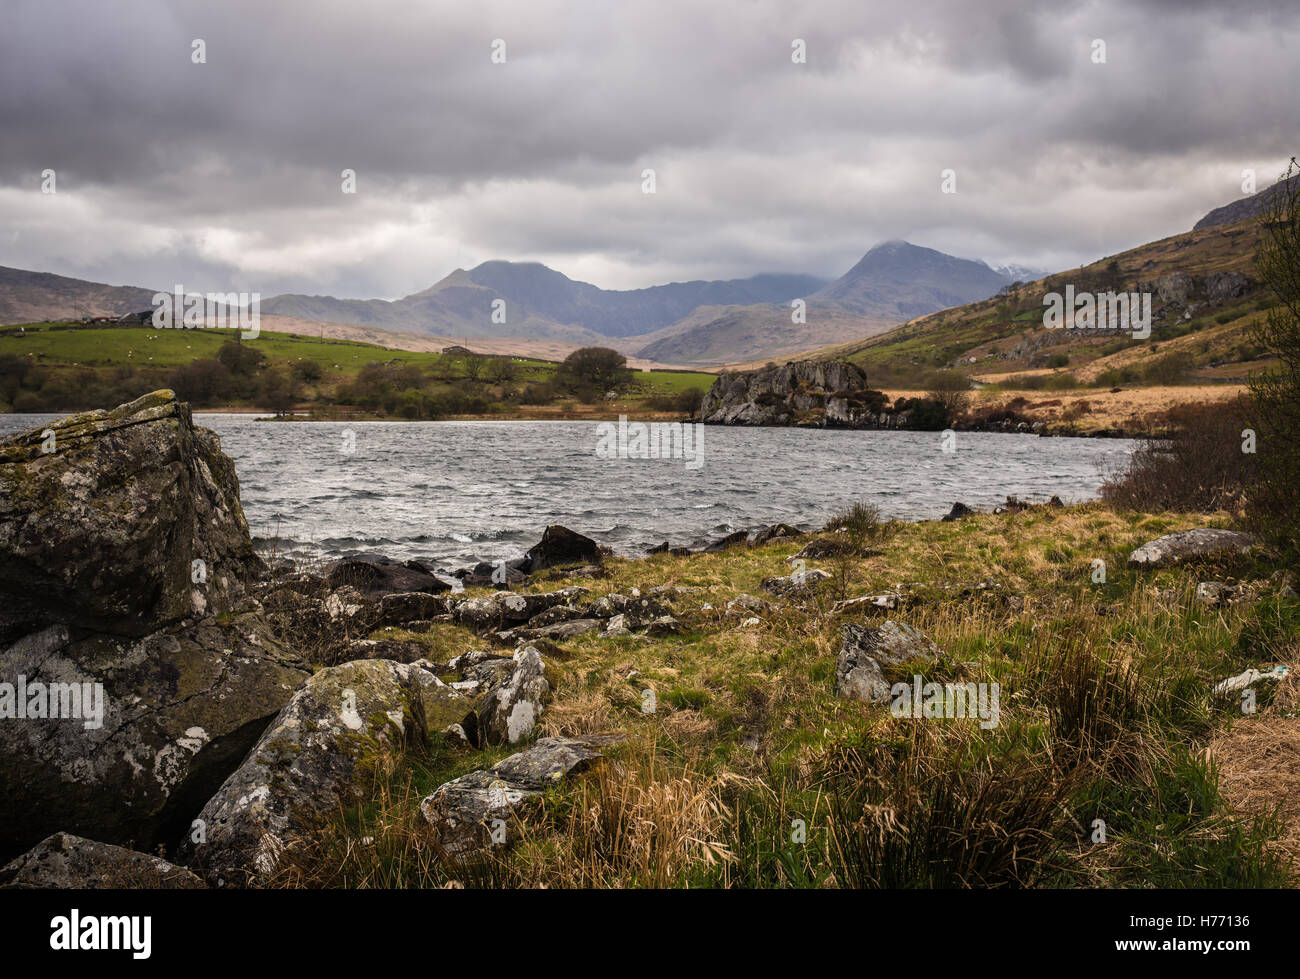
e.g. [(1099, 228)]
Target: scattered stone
[(1214, 593), (894, 643), (801, 584), (397, 650), (492, 612), (562, 630), (375, 575), (462, 811), (731, 540), (958, 511), (664, 626), (485, 574), (858, 673), (1190, 545), (1235, 684), (66, 862), (403, 608), (617, 627), (561, 546), (768, 534), (888, 601)]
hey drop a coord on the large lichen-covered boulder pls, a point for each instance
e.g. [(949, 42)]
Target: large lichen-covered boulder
[(103, 514), (1198, 544), (124, 563), (317, 754), (179, 708), (62, 861)]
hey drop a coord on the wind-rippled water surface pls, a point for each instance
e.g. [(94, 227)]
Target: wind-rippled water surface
[(451, 493)]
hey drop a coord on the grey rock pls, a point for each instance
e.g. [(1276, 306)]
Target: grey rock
[(774, 532), (180, 708), (858, 673), (798, 585), (887, 601), (664, 626), (101, 534), (1190, 545), (736, 539), (563, 630), (375, 575), (462, 811), (66, 862), (561, 546), (503, 608), (510, 710), (402, 608), (958, 511), (318, 754), (815, 392)]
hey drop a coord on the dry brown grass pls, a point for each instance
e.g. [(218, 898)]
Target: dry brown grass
[(1258, 759), (633, 823), (1130, 409)]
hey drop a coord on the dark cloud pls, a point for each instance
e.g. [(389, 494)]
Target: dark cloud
[(229, 172)]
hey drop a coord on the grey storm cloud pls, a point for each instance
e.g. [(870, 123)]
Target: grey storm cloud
[(227, 173)]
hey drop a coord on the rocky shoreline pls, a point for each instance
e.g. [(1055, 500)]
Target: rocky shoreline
[(244, 703)]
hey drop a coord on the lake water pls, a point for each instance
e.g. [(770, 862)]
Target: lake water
[(451, 493)]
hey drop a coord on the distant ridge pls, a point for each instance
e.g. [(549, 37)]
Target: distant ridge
[(1247, 207)]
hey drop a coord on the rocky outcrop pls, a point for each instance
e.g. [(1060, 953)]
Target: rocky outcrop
[(66, 862), (144, 669), (1199, 544), (473, 812), (103, 516), (317, 754), (822, 393)]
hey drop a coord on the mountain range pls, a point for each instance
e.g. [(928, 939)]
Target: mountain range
[(686, 323)]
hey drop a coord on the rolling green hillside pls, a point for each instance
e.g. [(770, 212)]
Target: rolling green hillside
[(73, 366)]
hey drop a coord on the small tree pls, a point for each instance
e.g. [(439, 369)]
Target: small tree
[(1276, 500), (502, 369), (275, 391), (950, 389), (593, 367)]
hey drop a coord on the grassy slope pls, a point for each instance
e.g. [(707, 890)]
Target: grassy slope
[(748, 736), (988, 330), (104, 347)]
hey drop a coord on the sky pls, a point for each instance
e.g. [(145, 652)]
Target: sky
[(226, 172)]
